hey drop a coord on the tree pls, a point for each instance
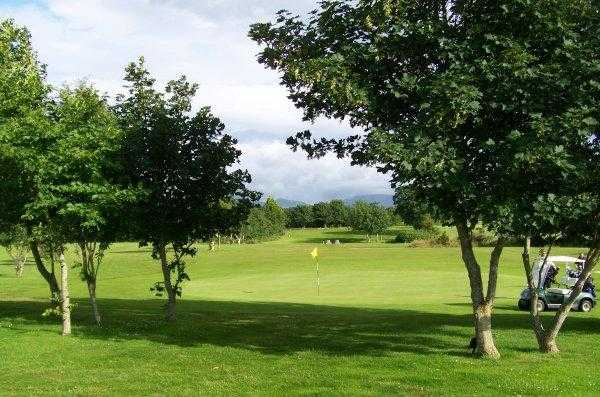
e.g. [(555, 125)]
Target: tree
[(321, 214), (265, 223), (80, 190), (300, 216), (412, 211), (15, 241), (276, 216), (25, 135), (452, 96), (183, 160), (369, 218), (337, 213), (552, 215)]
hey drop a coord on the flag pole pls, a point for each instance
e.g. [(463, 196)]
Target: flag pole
[(318, 278), (315, 254)]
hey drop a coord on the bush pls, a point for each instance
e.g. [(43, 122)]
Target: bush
[(427, 223), (483, 237), (264, 223), (440, 240), (410, 234)]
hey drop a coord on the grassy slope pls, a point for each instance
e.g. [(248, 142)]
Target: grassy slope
[(389, 320)]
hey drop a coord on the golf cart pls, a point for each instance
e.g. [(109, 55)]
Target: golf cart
[(543, 276)]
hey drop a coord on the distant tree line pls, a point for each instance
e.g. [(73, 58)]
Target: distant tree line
[(368, 218)]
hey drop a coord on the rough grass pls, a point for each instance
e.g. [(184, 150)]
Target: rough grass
[(389, 320)]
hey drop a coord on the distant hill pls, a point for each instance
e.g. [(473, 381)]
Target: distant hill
[(284, 203), (387, 200)]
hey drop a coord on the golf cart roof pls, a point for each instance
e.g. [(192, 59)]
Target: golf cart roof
[(565, 259)]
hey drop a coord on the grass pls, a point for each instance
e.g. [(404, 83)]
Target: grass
[(389, 320)]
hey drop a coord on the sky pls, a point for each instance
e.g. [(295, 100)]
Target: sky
[(207, 41)]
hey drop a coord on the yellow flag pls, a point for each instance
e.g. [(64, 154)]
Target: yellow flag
[(314, 253)]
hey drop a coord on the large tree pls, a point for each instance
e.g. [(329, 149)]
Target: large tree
[(25, 135), (451, 95), (184, 161)]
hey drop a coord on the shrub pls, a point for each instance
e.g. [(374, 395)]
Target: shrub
[(440, 240), (410, 234), (427, 223), (483, 237)]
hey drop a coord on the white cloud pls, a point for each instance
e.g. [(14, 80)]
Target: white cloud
[(208, 42), (279, 172)]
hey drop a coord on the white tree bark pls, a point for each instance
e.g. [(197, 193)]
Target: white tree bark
[(65, 303)]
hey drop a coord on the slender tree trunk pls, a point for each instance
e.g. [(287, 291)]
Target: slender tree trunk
[(65, 302), (89, 272), (170, 314), (91, 285), (547, 338), (19, 263), (549, 344), (482, 306), (50, 277), (536, 322)]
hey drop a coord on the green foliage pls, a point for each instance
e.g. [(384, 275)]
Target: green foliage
[(15, 236), (79, 190), (369, 218), (460, 110), (333, 213), (264, 223), (411, 210), (482, 237), (183, 161), (409, 234), (300, 216), (440, 239), (276, 215), (476, 108), (25, 130)]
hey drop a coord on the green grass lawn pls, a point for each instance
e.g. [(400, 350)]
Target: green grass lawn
[(389, 320)]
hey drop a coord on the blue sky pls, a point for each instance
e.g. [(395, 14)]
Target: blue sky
[(205, 40)]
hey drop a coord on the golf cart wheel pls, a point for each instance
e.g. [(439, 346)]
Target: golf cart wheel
[(585, 305), (523, 304), (541, 305)]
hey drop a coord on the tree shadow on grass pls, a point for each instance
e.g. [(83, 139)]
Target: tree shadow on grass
[(277, 328)]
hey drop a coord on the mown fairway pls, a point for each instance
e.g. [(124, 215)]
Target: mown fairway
[(389, 320)]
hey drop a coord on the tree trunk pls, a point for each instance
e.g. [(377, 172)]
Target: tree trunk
[(547, 338), (170, 314), (65, 303), (50, 277), (483, 331), (549, 344), (19, 263), (90, 273), (536, 322), (482, 306), (91, 285)]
